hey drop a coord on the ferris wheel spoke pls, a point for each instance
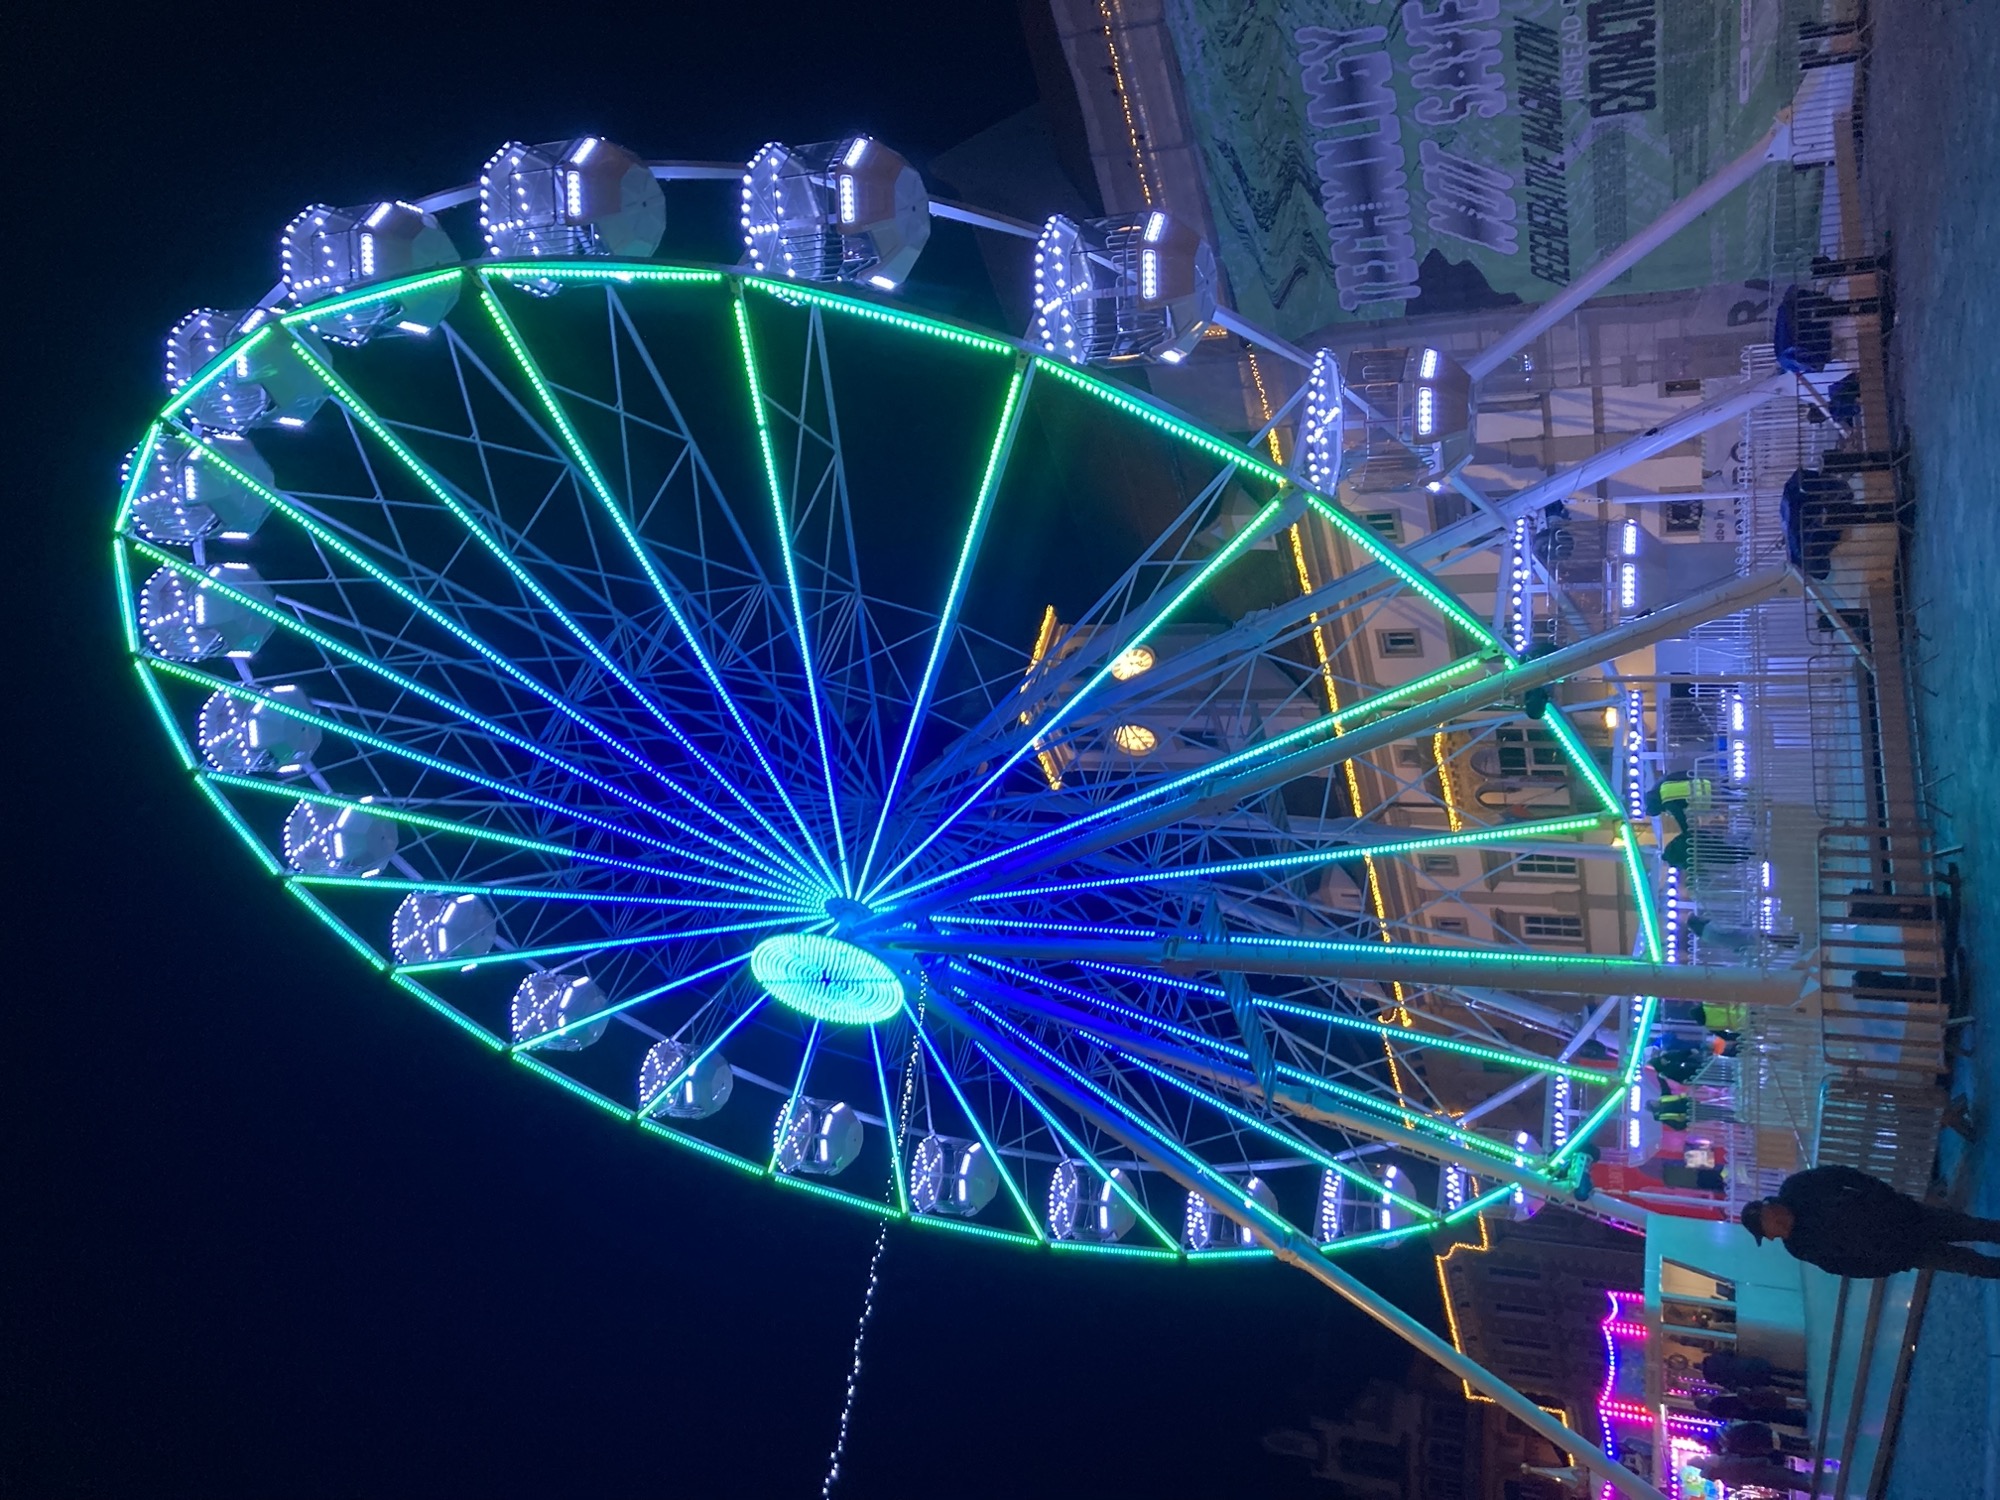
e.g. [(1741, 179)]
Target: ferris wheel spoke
[(786, 549), (328, 541), (760, 888), (895, 1121), (724, 966), (1433, 1146), (1374, 844), (662, 938), (1114, 1182), (1053, 667), (594, 480), (786, 1115), (370, 664), (520, 892), (439, 489), (979, 1130), (1047, 1072), (1267, 520), (735, 659), (975, 531), (695, 1059), (746, 898), (1086, 832)]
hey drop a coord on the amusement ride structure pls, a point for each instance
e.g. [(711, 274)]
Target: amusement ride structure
[(899, 760)]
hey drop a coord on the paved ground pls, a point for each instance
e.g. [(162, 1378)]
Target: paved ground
[(1933, 165)]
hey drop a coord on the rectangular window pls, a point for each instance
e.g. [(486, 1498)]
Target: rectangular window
[(1681, 388), (1545, 864), (1539, 927), (1454, 926), (1535, 753), (1683, 518), (1399, 643), (1441, 864), (1387, 524), (1411, 755)]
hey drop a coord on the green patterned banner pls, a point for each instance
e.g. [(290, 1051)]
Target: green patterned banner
[(1368, 158)]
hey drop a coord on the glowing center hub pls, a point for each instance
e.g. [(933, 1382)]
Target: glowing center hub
[(827, 979)]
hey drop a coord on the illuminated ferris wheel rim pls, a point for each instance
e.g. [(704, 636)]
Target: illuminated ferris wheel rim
[(640, 273)]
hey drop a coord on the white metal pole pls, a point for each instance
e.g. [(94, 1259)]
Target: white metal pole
[(1775, 145)]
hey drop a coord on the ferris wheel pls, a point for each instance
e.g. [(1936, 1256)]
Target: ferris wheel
[(894, 759)]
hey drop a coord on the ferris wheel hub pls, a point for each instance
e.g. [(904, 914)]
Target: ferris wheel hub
[(827, 978)]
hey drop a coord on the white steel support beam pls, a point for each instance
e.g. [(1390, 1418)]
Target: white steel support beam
[(1451, 968), (1256, 774), (1774, 145), (1287, 1243)]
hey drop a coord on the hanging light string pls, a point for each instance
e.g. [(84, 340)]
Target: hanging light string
[(839, 1449)]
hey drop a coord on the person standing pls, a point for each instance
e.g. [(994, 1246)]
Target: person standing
[(1851, 1224)]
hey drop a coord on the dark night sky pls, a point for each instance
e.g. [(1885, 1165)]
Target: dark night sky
[(274, 1231)]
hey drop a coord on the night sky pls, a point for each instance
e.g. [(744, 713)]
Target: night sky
[(273, 1229)]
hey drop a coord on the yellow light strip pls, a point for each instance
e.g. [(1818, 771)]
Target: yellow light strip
[(1401, 1009), (1105, 8), (1044, 638), (1438, 753), (1264, 405), (1444, 1291)]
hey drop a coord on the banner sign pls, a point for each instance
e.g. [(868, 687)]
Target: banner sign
[(1370, 158)]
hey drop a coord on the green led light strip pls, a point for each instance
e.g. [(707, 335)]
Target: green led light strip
[(242, 830), (1508, 833), (595, 945), (1348, 527), (340, 929), (618, 271), (838, 1195), (516, 892), (1642, 897), (789, 291), (441, 825), (983, 1231), (457, 1017), (319, 311), (1412, 1037), (1586, 764), (1091, 1247), (564, 1081), (1409, 572)]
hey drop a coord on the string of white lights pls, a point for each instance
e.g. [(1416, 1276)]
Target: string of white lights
[(839, 1449)]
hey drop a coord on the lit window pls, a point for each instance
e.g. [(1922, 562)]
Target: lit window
[(1134, 739), (1132, 661), (1545, 864), (1538, 927)]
